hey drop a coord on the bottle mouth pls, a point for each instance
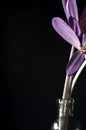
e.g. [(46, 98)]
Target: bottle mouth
[(58, 100), (65, 107)]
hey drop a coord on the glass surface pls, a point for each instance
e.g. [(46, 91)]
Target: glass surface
[(65, 119)]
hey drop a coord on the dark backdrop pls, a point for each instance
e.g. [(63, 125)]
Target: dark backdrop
[(33, 58)]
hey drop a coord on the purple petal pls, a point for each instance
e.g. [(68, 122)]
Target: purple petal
[(70, 8), (74, 63), (84, 40), (66, 32), (75, 25), (66, 10), (83, 20), (73, 9), (85, 56)]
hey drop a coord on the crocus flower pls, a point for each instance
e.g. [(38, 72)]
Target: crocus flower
[(78, 27), (70, 36)]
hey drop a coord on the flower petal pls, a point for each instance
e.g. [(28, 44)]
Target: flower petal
[(70, 8), (85, 56), (74, 63), (66, 32), (84, 40), (75, 25), (66, 10), (73, 9)]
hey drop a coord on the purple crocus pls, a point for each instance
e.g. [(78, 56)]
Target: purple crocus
[(71, 31), (65, 31)]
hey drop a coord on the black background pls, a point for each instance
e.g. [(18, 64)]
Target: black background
[(33, 58)]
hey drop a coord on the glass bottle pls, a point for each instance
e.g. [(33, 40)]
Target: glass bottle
[(65, 118)]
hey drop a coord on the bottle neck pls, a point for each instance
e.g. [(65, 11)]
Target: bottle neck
[(65, 107)]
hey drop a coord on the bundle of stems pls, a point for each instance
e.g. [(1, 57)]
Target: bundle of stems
[(70, 81), (69, 85)]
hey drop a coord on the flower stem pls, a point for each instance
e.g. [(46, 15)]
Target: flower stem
[(66, 94), (66, 91), (68, 80), (77, 75)]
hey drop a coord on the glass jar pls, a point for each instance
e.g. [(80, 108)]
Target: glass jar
[(65, 118)]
